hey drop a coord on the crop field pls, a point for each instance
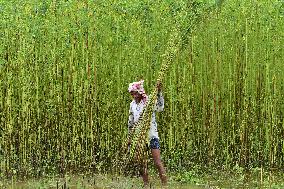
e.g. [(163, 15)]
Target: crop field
[(65, 67)]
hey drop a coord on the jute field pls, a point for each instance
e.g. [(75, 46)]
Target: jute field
[(65, 67)]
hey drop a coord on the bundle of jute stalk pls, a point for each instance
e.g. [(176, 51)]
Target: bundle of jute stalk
[(137, 152)]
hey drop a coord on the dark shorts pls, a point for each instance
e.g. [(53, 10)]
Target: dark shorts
[(154, 143)]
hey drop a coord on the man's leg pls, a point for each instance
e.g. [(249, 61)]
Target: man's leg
[(159, 164), (144, 174)]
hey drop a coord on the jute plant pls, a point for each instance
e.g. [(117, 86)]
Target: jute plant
[(137, 151)]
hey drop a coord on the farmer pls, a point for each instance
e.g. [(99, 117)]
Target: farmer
[(136, 108)]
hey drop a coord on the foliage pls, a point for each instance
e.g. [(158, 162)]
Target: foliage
[(65, 67)]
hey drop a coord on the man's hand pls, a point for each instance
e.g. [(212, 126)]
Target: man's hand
[(129, 142), (159, 86)]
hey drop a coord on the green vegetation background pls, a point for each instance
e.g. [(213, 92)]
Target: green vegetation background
[(65, 67)]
